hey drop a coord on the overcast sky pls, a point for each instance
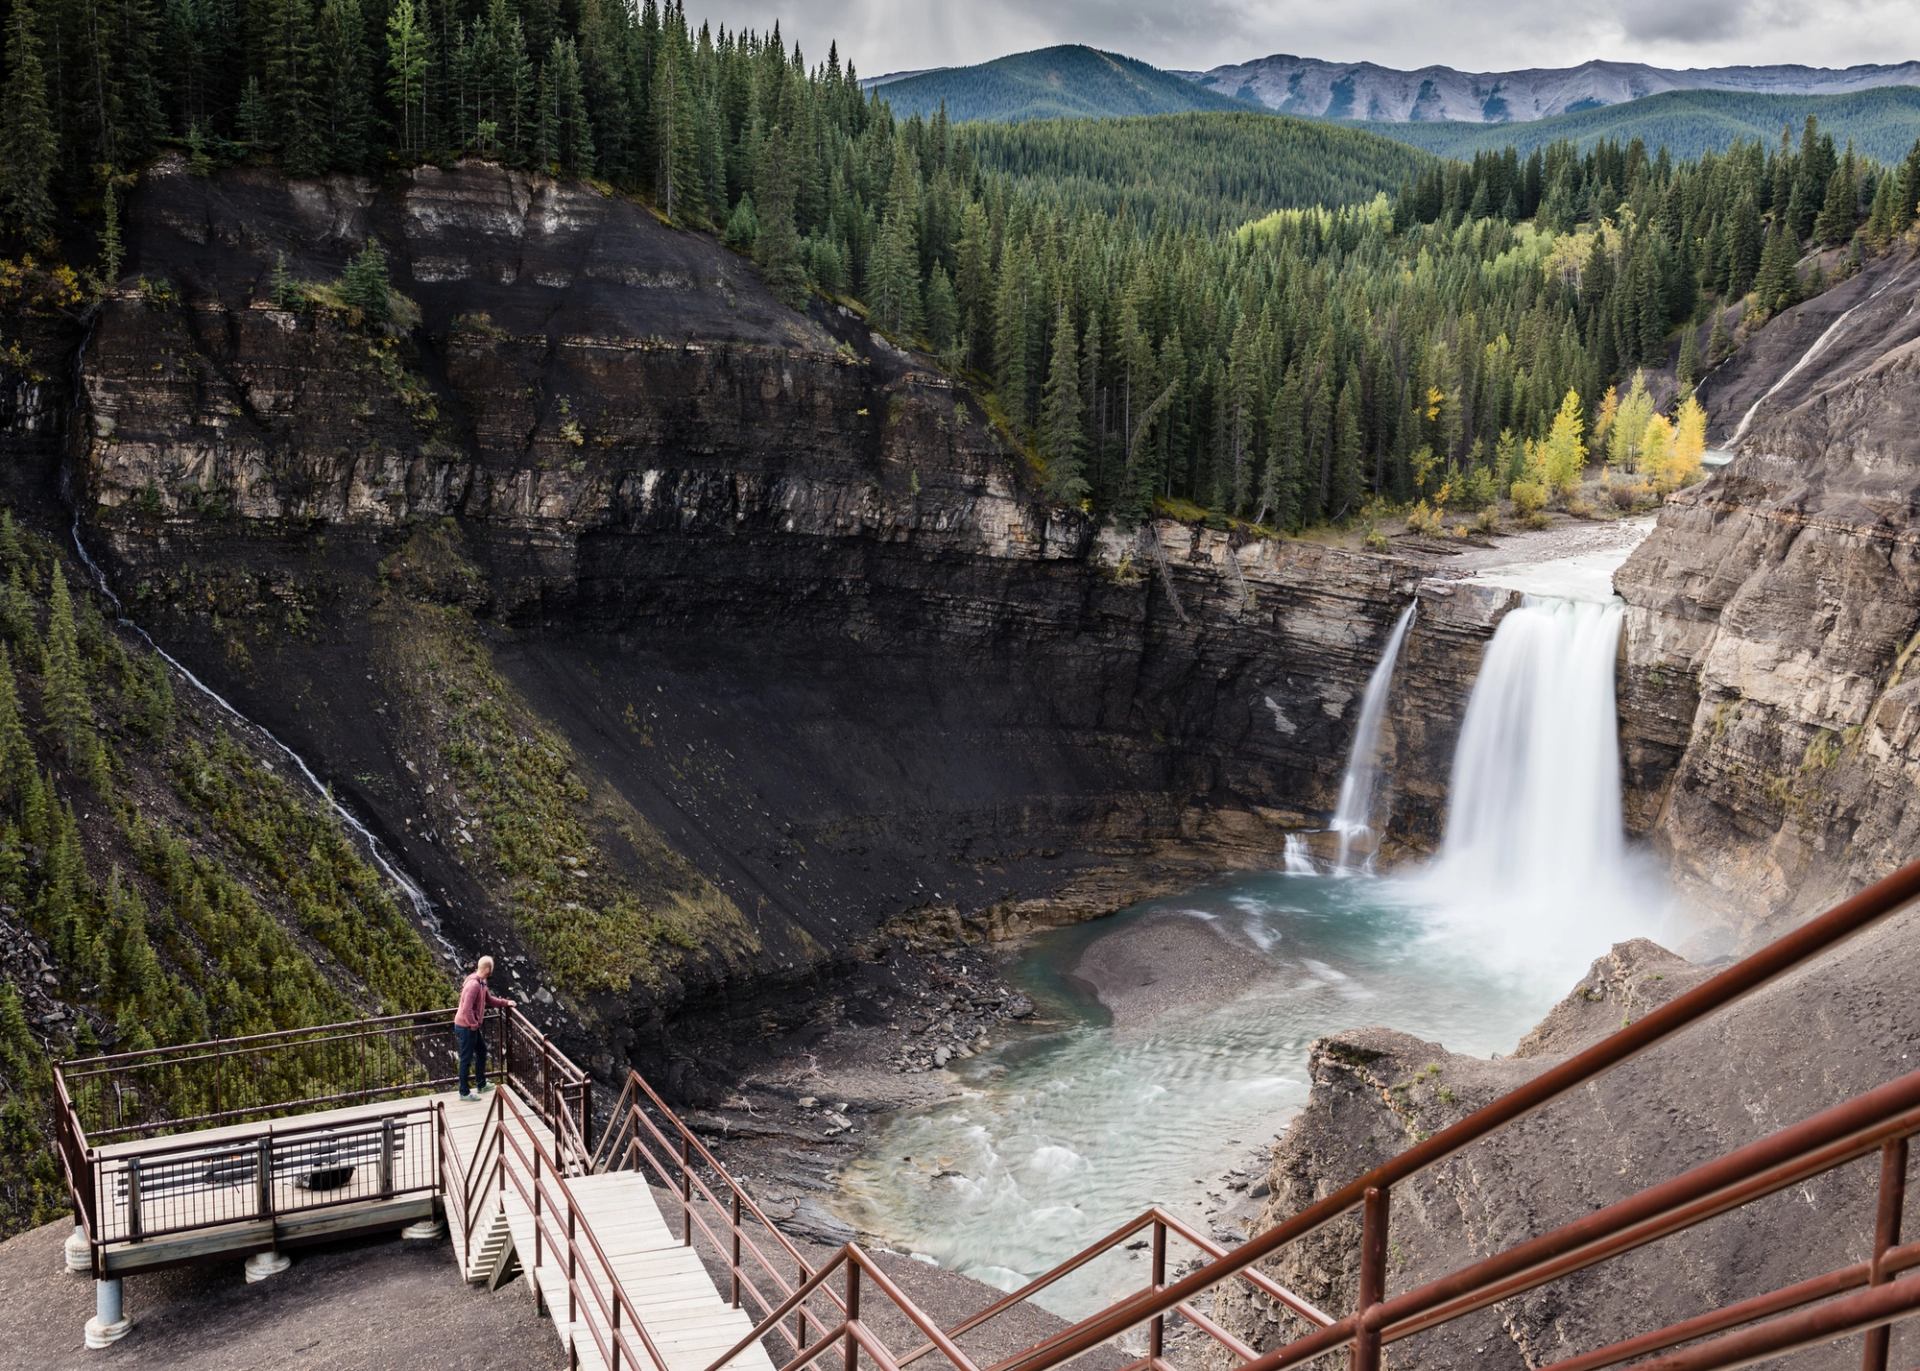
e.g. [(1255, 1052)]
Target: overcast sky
[(1491, 35)]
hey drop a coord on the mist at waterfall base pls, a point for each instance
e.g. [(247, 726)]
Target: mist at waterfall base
[(1067, 1130)]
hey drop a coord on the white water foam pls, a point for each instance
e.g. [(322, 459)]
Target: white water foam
[(1353, 818)]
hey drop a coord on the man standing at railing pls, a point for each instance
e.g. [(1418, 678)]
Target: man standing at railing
[(475, 1001)]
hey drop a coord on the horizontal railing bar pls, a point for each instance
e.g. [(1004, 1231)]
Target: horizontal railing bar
[(1252, 1274), (1842, 1134), (1215, 1331), (1870, 1308)]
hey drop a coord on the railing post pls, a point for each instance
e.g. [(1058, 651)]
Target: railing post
[(800, 1309), (1373, 1278), (386, 1159), (1886, 1234), (133, 1198), (686, 1191), (539, 1235), (619, 1298), (1157, 1330), (736, 1249), (853, 1314), (573, 1268), (264, 1176)]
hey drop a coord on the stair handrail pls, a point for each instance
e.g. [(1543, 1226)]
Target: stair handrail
[(1162, 1223), (640, 1124), (518, 1147)]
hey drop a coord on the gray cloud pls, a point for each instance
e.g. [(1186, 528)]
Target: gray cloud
[(890, 35)]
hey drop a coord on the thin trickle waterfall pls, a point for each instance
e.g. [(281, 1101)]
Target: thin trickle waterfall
[(1535, 851), (1353, 820), (1299, 860)]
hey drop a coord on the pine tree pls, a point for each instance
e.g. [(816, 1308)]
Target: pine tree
[(69, 709), (942, 314), (289, 88), (408, 45), (364, 286), (1280, 484), (893, 278), (1687, 369), (1777, 287), (28, 152), (676, 150), (777, 246), (1346, 489), (343, 84), (1010, 328), (1062, 439), (1840, 208)]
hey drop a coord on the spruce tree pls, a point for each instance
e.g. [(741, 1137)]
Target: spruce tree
[(942, 313), (777, 246), (29, 151), (1840, 208), (1062, 438), (68, 707), (408, 48), (365, 287), (343, 85)]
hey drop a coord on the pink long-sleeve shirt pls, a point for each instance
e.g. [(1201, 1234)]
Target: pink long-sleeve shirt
[(475, 999)]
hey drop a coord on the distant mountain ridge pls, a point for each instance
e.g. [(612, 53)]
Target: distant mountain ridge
[(1368, 91), (1070, 81), (1882, 124)]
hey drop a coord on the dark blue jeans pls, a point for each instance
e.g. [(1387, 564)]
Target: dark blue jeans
[(473, 1055)]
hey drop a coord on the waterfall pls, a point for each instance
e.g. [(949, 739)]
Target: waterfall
[(1819, 346), (422, 906), (1354, 817), (1534, 861), (1299, 860)]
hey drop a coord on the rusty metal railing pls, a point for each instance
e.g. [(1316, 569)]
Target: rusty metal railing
[(129, 1127)]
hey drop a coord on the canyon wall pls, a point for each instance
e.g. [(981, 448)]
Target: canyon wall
[(756, 621), (1770, 723)]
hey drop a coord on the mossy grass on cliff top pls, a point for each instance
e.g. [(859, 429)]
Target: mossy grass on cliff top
[(601, 900)]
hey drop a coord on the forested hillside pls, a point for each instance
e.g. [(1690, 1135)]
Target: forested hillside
[(1052, 83), (1284, 373), (158, 882), (1881, 124), (1193, 170)]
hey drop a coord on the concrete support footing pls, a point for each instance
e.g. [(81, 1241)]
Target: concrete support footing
[(264, 1264), (427, 1230), (79, 1253), (109, 1323)]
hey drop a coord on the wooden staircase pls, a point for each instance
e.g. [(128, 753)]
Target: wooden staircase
[(620, 1240)]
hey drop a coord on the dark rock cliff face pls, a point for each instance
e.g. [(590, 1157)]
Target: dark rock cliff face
[(776, 596), (1770, 724)]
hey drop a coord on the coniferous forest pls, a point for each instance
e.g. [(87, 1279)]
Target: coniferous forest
[(1140, 342)]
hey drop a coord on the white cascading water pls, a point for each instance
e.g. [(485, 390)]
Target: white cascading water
[(1534, 863), (1299, 861), (1353, 819)]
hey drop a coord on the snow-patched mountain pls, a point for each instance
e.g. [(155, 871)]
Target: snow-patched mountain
[(1364, 90)]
